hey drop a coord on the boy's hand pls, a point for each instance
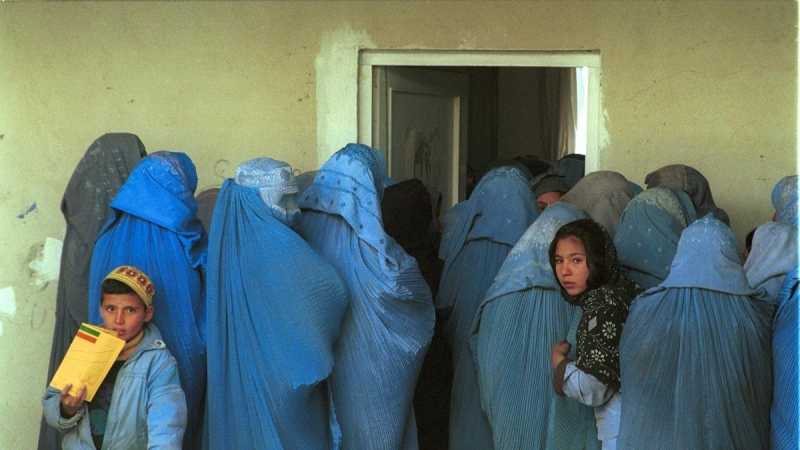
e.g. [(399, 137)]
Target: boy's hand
[(559, 353), (71, 405)]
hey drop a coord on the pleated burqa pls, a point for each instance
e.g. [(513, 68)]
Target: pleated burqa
[(389, 324), (649, 231), (274, 311), (94, 183), (785, 200), (499, 211), (154, 227), (515, 327), (695, 353), (785, 431)]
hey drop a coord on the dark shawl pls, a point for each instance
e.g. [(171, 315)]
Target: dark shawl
[(605, 310), (689, 180), (94, 183)]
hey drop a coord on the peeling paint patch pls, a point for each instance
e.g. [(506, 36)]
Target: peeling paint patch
[(45, 261), (31, 209), (337, 89), (8, 301)]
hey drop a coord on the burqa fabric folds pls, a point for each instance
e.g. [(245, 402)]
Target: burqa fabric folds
[(389, 324), (783, 415), (274, 311), (515, 327), (499, 211), (649, 231), (94, 183), (773, 255), (154, 227), (695, 352), (784, 199), (603, 196), (689, 180)]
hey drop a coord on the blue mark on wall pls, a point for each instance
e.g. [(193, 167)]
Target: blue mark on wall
[(31, 209)]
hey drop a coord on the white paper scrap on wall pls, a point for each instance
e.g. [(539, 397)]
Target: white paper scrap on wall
[(8, 301), (47, 266)]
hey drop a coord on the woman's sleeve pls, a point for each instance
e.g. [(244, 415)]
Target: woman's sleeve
[(166, 416), (584, 388)]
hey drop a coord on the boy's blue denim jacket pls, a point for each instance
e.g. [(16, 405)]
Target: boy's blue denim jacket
[(148, 406)]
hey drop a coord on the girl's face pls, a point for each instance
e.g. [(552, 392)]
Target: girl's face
[(571, 268)]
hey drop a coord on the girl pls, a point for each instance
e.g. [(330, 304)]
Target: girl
[(584, 260)]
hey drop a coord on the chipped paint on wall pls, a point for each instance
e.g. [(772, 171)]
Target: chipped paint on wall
[(336, 65), (30, 209), (45, 261)]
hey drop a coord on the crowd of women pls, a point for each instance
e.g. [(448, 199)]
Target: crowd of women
[(333, 311)]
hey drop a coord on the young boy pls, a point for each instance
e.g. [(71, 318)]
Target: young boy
[(140, 404)]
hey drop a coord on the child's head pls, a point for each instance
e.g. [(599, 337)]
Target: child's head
[(127, 301), (577, 256)]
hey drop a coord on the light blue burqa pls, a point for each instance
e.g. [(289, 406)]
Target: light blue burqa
[(515, 327), (274, 312), (773, 255), (154, 227), (389, 325), (785, 431), (785, 200), (695, 352), (649, 231), (499, 211)]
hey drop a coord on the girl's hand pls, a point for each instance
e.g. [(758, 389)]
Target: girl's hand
[(71, 405), (559, 353)]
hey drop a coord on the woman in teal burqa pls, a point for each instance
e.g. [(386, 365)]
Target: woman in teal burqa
[(515, 327), (696, 352), (499, 211)]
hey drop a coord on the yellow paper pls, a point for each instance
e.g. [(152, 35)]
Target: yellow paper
[(88, 360)]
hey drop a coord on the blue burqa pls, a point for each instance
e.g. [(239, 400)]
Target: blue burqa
[(274, 311), (785, 200), (389, 324), (515, 327), (94, 183), (154, 227), (649, 231), (785, 432), (496, 215), (695, 352), (773, 255)]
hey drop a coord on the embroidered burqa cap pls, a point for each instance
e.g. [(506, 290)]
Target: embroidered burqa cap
[(276, 185), (136, 280)]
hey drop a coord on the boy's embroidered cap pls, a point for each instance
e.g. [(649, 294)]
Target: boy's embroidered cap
[(136, 280)]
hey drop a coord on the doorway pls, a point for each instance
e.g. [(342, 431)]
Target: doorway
[(469, 90)]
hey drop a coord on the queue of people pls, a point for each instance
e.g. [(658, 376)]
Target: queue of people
[(338, 310)]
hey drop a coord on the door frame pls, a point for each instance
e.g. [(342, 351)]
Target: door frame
[(367, 58)]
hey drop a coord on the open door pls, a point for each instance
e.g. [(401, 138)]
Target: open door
[(421, 125)]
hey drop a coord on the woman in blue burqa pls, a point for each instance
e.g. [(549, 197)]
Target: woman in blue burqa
[(274, 311), (154, 226), (389, 324), (514, 329), (695, 354), (784, 198), (649, 231), (94, 183), (771, 270), (499, 211)]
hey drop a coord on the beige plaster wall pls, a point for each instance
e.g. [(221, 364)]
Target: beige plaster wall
[(710, 84)]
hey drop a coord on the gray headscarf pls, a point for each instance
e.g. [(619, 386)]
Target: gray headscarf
[(603, 195), (689, 180)]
